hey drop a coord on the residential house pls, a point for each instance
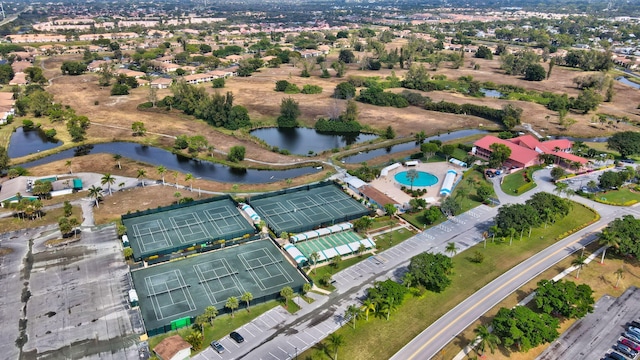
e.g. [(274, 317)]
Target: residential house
[(161, 83)]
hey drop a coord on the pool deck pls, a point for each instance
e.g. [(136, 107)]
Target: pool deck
[(389, 186)]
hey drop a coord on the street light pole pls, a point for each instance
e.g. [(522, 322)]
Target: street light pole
[(296, 352)]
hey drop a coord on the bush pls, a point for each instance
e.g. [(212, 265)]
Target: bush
[(281, 85), (328, 125), (477, 257), (292, 89), (119, 89), (218, 83), (311, 89)]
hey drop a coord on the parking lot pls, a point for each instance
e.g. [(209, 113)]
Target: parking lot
[(596, 334)]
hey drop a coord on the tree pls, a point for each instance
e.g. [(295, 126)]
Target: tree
[(588, 100), (141, 174), (448, 150), (336, 341), (499, 154), (607, 239), (619, 275), (367, 306), (363, 224), (390, 209), (67, 208), (344, 90), (626, 143), (432, 214), (387, 305), (451, 249), (161, 171), (247, 297), (95, 192), (429, 149), (210, 312), (431, 270), (289, 112), (194, 339), (73, 68), (232, 304), (610, 180), (117, 158), (486, 339), (340, 68), (287, 294), (523, 328), (67, 164), (64, 225), (127, 252), (412, 175), (346, 56), (189, 178), (449, 206), (108, 180), (389, 133), (314, 257), (484, 52), (352, 312), (580, 262), (236, 153), (535, 72), (564, 298), (199, 322), (484, 192), (557, 172), (138, 128)]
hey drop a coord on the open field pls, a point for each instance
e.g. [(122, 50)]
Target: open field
[(257, 94), (419, 311)]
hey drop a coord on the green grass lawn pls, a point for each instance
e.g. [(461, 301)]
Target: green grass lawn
[(317, 273), (618, 197), (222, 325), (465, 192), (382, 221), (418, 312), (391, 239), (514, 181)]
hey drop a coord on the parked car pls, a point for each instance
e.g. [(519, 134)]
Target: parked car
[(615, 356), (634, 329), (635, 323), (633, 332), (626, 350), (631, 336), (237, 337), (217, 347), (630, 344)]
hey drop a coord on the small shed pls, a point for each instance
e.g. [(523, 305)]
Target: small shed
[(173, 348), (133, 298)]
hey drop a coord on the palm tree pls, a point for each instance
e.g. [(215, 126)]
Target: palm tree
[(485, 235), (412, 175), (68, 164), (607, 240), (161, 171), (175, 175), (580, 262), (486, 338), (117, 158), (352, 312), (619, 275), (592, 184), (109, 180), (247, 297), (512, 231), (314, 257), (141, 173), (287, 294), (494, 230), (210, 312), (199, 323), (95, 192), (451, 249), (232, 304), (408, 279), (189, 178), (561, 188), (368, 305), (336, 342), (387, 305)]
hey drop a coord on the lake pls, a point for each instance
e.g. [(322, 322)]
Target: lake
[(626, 81), (364, 156), (301, 141), (199, 169), (24, 143), (491, 93)]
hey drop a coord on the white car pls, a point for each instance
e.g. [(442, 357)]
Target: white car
[(550, 166)]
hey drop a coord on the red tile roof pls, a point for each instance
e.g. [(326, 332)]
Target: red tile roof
[(170, 346), (519, 153)]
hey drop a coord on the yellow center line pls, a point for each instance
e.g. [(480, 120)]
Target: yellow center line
[(491, 294)]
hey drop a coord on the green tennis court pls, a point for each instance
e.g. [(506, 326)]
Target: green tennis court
[(184, 288), (169, 229), (305, 208)]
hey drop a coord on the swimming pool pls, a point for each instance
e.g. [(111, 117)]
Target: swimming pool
[(424, 179)]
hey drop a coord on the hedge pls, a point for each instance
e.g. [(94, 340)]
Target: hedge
[(526, 187)]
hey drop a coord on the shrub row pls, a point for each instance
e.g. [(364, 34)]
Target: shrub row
[(526, 187)]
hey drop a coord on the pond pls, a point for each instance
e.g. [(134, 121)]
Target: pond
[(199, 169), (301, 141), (626, 81), (365, 156), (491, 93), (27, 142)]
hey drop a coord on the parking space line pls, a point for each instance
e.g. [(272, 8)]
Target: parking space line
[(275, 357)]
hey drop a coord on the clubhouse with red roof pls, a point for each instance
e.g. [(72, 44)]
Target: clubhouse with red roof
[(526, 151)]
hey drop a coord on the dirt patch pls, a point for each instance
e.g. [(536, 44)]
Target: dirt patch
[(5, 251)]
